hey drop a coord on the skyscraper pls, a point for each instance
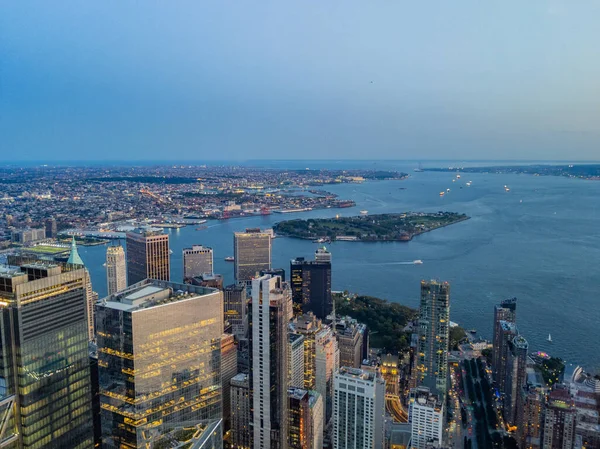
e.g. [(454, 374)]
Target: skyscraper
[(235, 309), (269, 351), (426, 417), (432, 348), (327, 362), (530, 418), (358, 409), (45, 362), (351, 340), (252, 254), (296, 364), (241, 412), (516, 376), (197, 260), (229, 369), (560, 421), (159, 349), (505, 311), (91, 297), (305, 419), (51, 228), (148, 256), (507, 331), (308, 325), (311, 284), (116, 272)]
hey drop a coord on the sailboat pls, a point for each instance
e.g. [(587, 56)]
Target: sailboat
[(549, 338)]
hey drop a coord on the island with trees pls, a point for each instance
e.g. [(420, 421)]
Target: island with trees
[(368, 228)]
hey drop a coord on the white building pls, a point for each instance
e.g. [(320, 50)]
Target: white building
[(116, 272), (426, 416), (358, 410)]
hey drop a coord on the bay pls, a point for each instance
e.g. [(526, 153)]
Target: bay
[(539, 241)]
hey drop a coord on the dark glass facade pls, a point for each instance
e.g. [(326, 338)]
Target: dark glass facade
[(311, 287), (148, 256)]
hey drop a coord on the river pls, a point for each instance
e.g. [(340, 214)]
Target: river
[(540, 242)]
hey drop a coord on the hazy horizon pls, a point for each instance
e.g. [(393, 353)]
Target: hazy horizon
[(208, 81)]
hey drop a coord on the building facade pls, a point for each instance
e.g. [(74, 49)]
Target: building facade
[(351, 341), (159, 357), (229, 369), (305, 411), (197, 260), (296, 363), (327, 363), (45, 360), (560, 421), (507, 331), (358, 410), (252, 254), (51, 228), (426, 417), (311, 285), (505, 311), (432, 349), (148, 256), (235, 309), (268, 312), (516, 377), (116, 271), (241, 412)]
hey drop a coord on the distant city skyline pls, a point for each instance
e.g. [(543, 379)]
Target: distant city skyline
[(204, 81)]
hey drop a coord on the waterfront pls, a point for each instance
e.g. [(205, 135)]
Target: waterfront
[(545, 250)]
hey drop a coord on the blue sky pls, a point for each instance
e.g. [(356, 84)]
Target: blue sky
[(201, 80)]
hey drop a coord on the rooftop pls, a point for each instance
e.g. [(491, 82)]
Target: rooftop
[(152, 293), (356, 373)]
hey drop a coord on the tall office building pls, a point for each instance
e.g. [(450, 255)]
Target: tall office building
[(507, 331), (268, 312), (116, 272), (296, 363), (560, 421), (351, 339), (91, 296), (241, 412), (235, 309), (308, 325), (426, 418), (327, 362), (45, 367), (358, 409), (159, 357), (516, 376), (252, 254), (505, 311), (229, 369), (197, 260), (311, 284), (148, 256), (432, 348), (51, 228), (305, 413)]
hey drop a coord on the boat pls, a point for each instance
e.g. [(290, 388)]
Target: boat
[(442, 193), (447, 190), (418, 262), (473, 331), (200, 228), (469, 184), (458, 176), (364, 212), (229, 259), (549, 338)]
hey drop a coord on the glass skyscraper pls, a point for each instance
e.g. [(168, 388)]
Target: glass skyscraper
[(148, 255), (45, 359), (432, 346), (159, 357), (252, 254)]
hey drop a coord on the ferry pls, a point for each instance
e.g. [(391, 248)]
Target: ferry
[(418, 262), (364, 212), (229, 259)]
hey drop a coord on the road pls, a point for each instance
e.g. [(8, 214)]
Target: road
[(394, 407)]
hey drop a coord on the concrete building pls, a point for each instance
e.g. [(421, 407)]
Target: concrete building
[(351, 340), (505, 311), (45, 369), (268, 312), (148, 256), (51, 228), (327, 363), (296, 363), (305, 411), (426, 417), (311, 285), (159, 357), (235, 309), (308, 325), (229, 369), (197, 260), (252, 254), (116, 271), (531, 418), (358, 410), (507, 331), (25, 236), (241, 412), (560, 421), (432, 349)]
